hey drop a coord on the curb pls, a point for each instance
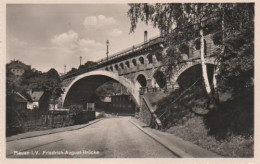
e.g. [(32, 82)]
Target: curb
[(175, 150), (90, 123), (176, 145)]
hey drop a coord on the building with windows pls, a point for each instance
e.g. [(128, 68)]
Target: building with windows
[(39, 100), (19, 102), (122, 104), (17, 67)]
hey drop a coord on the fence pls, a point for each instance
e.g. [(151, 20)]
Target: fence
[(27, 120), (144, 90), (24, 121)]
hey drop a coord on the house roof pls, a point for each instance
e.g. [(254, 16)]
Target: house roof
[(36, 95), (19, 97)]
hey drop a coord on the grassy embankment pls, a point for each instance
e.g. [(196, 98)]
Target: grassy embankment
[(227, 131)]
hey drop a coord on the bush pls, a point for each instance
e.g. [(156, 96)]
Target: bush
[(181, 105), (195, 131), (76, 114), (234, 117)]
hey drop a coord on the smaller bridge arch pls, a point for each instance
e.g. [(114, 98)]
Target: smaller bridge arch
[(141, 79), (116, 67), (111, 68), (127, 63), (121, 65), (149, 58), (159, 78), (134, 62), (141, 60), (187, 65)]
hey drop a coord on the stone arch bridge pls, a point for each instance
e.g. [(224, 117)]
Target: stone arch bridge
[(135, 67)]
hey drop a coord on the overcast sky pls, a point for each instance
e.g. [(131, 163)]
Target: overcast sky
[(50, 36)]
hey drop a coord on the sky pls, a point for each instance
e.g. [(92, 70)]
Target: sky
[(53, 35)]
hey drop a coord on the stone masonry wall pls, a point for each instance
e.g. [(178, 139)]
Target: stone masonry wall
[(144, 114)]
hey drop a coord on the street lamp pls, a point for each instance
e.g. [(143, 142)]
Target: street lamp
[(80, 58), (107, 48)]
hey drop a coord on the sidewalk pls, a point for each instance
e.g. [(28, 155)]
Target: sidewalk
[(49, 131), (176, 145)]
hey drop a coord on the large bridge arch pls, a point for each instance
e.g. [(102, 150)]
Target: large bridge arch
[(98, 75)]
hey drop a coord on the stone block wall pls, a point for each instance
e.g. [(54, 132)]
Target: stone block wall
[(144, 114)]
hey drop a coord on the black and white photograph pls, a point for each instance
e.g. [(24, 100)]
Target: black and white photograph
[(129, 80)]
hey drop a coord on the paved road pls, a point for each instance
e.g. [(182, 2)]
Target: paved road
[(108, 138)]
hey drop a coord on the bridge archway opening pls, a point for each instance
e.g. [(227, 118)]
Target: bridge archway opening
[(107, 69), (122, 65), (159, 79), (111, 68), (150, 58), (127, 63), (82, 90), (116, 67), (134, 62), (193, 74), (141, 60), (141, 80)]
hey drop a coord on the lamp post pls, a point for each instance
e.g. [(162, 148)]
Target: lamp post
[(107, 48), (80, 58)]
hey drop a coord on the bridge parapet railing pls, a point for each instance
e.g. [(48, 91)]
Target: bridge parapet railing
[(154, 40)]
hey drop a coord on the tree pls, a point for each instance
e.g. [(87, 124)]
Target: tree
[(88, 64), (72, 70), (182, 22), (52, 73), (236, 71), (109, 88), (177, 22), (54, 91)]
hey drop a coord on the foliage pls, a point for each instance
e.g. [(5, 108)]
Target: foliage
[(181, 22), (75, 109), (228, 130), (76, 114), (109, 88), (79, 116), (234, 117), (72, 70), (31, 80), (87, 65), (236, 70), (182, 104), (194, 130), (52, 73)]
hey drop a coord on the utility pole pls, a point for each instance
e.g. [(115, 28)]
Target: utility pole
[(80, 58), (107, 48)]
